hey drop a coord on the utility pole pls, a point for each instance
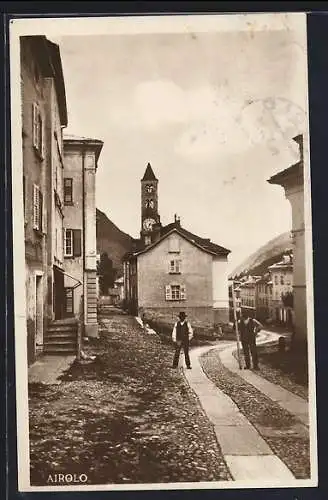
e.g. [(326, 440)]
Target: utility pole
[(236, 324)]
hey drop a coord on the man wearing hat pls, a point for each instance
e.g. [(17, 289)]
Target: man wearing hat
[(181, 335)]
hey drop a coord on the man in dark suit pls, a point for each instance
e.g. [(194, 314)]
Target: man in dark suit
[(249, 328), (181, 335)]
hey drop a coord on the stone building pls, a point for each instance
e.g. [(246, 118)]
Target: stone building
[(44, 115), (80, 255), (248, 295), (234, 285), (171, 269), (292, 180), (263, 301), (282, 289)]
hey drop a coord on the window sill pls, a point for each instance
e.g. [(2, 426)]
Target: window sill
[(175, 300), (174, 272)]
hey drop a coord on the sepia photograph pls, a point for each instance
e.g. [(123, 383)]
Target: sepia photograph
[(162, 244)]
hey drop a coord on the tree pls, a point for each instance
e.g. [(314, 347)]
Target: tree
[(106, 273)]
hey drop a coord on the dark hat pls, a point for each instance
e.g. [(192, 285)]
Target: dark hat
[(182, 315)]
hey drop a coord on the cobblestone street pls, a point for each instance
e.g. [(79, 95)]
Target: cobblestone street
[(127, 417)]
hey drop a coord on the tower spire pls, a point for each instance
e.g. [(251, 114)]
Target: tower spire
[(149, 174)]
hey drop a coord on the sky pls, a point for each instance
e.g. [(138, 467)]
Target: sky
[(213, 112)]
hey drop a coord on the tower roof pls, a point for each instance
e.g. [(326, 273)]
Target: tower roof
[(149, 174)]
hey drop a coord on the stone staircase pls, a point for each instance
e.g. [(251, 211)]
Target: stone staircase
[(61, 337)]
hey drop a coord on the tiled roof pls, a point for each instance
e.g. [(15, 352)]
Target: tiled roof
[(203, 243), (295, 170), (281, 265)]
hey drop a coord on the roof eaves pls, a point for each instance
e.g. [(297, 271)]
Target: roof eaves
[(181, 232)]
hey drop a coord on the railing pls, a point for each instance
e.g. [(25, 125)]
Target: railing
[(80, 326)]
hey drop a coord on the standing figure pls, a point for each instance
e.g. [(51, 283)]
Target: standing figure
[(181, 335), (249, 328)]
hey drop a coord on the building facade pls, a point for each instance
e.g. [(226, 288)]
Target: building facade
[(170, 268), (282, 291), (292, 180), (80, 256), (234, 285), (44, 115), (248, 295), (263, 301)]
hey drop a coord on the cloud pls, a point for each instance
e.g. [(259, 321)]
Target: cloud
[(163, 102), (210, 122), (233, 128)]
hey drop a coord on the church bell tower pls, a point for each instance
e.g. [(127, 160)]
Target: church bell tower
[(150, 220)]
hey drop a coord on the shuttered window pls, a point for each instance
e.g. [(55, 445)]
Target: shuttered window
[(68, 248), (77, 247), (175, 292), (35, 125), (37, 208), (174, 266), (68, 191), (37, 128), (73, 244)]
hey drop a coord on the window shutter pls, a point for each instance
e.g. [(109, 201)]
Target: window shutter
[(167, 292), (183, 292), (40, 211), (35, 124), (36, 207), (77, 250), (41, 139)]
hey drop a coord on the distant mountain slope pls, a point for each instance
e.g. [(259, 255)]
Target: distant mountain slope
[(112, 240), (265, 256)]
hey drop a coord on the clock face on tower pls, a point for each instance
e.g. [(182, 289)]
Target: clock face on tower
[(148, 224), (149, 188)]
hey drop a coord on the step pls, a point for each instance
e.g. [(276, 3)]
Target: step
[(59, 350), (62, 328), (59, 334), (56, 342), (66, 321), (60, 342)]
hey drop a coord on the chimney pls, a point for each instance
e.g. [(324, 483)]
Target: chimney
[(299, 140), (176, 220)]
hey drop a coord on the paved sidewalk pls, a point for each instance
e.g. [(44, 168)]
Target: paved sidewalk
[(246, 453), (47, 369), (294, 404)]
